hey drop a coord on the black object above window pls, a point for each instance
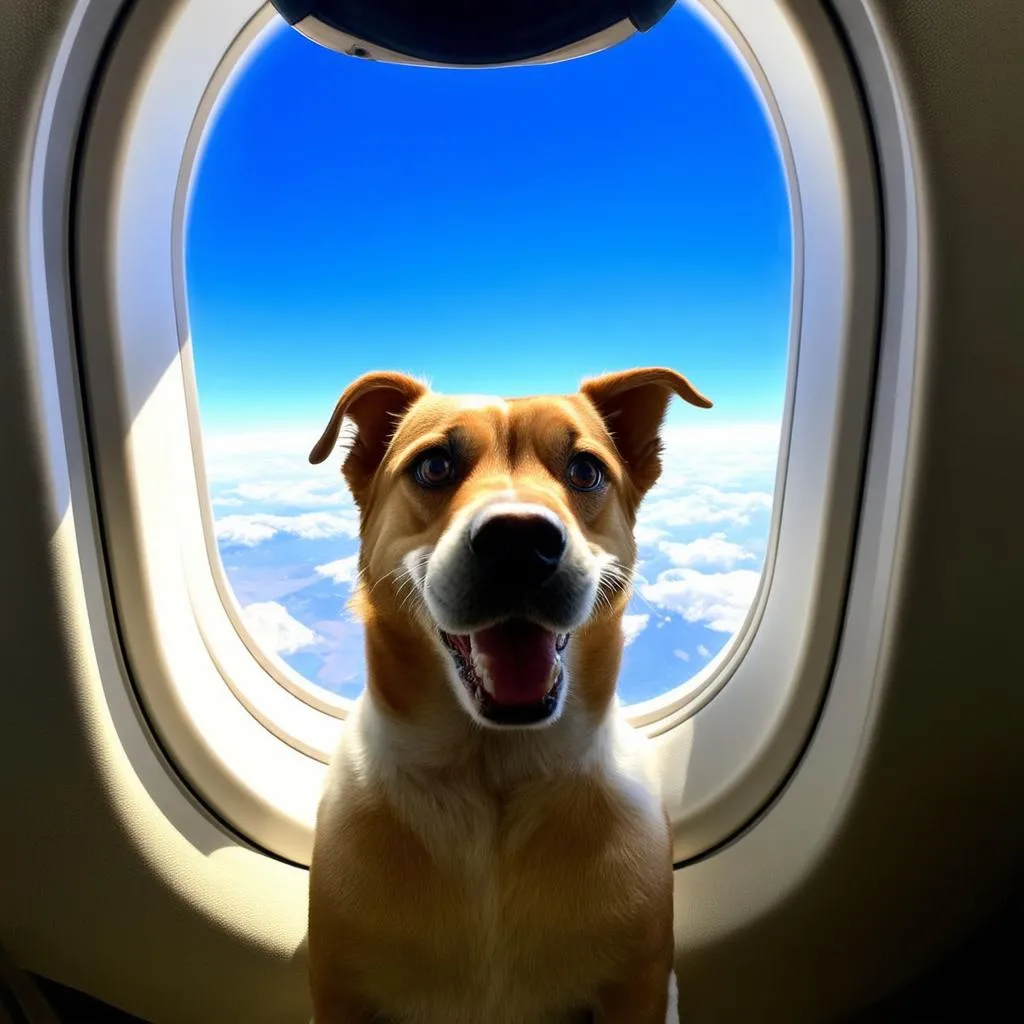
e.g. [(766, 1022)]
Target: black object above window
[(470, 33)]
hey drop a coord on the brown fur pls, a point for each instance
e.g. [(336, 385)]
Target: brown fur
[(461, 859)]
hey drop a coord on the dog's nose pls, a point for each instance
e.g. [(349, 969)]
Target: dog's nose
[(524, 547)]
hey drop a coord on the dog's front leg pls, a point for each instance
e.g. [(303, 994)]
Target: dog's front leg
[(648, 996)]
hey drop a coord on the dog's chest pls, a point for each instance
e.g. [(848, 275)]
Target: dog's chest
[(487, 909), (507, 889)]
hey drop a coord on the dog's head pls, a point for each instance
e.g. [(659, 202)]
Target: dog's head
[(493, 530)]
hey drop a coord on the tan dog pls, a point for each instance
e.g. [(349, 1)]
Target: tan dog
[(491, 847)]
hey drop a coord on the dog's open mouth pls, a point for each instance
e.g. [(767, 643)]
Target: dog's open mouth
[(512, 671)]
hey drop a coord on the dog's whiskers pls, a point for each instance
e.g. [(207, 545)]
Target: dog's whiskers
[(614, 579), (397, 572), (639, 595), (631, 577), (407, 590)]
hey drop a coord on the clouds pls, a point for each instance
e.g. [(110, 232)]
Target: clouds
[(646, 535), (718, 600), (713, 551), (298, 494), (344, 570), (269, 479), (268, 471), (275, 630), (633, 626), (701, 506), (224, 449), (262, 456), (248, 530), (717, 477), (724, 456)]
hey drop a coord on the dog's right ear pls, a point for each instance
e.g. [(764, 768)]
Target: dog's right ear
[(632, 404), (374, 403)]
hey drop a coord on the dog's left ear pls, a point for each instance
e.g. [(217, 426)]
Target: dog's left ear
[(632, 404), (375, 403)]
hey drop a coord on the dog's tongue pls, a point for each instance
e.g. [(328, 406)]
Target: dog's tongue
[(517, 659)]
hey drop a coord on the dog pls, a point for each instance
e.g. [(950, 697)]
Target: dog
[(491, 846)]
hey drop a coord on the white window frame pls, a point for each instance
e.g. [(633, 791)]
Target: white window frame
[(248, 733)]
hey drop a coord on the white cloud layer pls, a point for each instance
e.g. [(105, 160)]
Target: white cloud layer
[(714, 551), (252, 529), (342, 571), (646, 535), (272, 469), (275, 630), (292, 493), (633, 626), (719, 600), (726, 456), (702, 505)]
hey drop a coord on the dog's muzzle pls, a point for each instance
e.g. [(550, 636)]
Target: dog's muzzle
[(507, 596)]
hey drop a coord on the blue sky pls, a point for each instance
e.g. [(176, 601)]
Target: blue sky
[(497, 230), (504, 230)]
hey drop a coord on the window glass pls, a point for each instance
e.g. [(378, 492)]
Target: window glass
[(506, 231)]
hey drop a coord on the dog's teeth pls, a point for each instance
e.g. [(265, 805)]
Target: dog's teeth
[(480, 670)]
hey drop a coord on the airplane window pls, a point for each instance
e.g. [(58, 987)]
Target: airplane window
[(503, 231)]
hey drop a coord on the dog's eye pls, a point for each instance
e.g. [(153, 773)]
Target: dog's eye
[(434, 468), (585, 473)]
